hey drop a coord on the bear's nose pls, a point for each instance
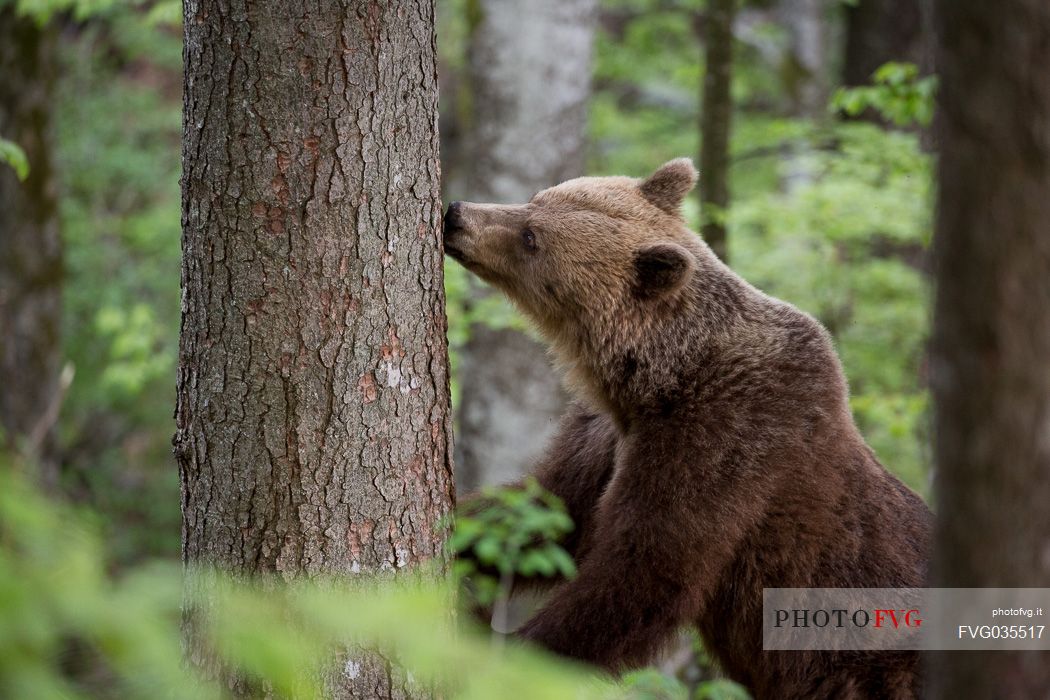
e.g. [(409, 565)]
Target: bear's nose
[(453, 217)]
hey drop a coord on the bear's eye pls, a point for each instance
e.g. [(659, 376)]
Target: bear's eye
[(528, 239)]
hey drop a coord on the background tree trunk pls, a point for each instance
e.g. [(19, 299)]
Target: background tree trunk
[(313, 430), (805, 60), (715, 121), (528, 132), (805, 78), (878, 31), (992, 323), (30, 246)]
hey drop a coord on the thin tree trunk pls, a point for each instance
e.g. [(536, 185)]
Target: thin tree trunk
[(313, 432), (30, 247), (991, 339), (805, 59), (715, 123), (805, 78), (528, 132)]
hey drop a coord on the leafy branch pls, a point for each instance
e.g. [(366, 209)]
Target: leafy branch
[(897, 92)]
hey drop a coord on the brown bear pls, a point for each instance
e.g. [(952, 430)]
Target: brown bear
[(711, 452)]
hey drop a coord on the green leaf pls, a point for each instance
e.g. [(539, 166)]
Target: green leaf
[(466, 532), (462, 568), (12, 154), (488, 550), (165, 12), (536, 562), (721, 689), (651, 684), (561, 560)]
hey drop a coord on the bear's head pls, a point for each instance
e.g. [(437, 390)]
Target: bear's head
[(605, 266), (582, 248)]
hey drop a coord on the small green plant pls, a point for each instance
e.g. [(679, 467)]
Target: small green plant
[(506, 533), (897, 92)]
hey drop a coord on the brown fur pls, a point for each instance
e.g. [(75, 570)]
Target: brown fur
[(711, 453)]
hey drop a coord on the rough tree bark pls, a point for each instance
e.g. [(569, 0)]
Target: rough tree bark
[(528, 132), (715, 121), (992, 323), (30, 246), (313, 432)]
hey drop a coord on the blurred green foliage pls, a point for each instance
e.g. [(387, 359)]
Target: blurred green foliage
[(45, 11), (721, 689), (69, 628), (507, 532), (117, 128), (651, 684), (12, 154), (897, 93)]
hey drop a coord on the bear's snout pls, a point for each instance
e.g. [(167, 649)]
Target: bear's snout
[(451, 225), (453, 217)]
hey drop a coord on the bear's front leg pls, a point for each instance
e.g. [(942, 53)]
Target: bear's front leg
[(616, 614), (661, 541)]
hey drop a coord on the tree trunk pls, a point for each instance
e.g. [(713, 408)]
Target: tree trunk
[(805, 80), (313, 432), (30, 247), (992, 323), (805, 59), (879, 31), (715, 121), (528, 133)]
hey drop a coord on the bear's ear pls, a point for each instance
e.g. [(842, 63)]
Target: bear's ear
[(661, 268), (668, 186)]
